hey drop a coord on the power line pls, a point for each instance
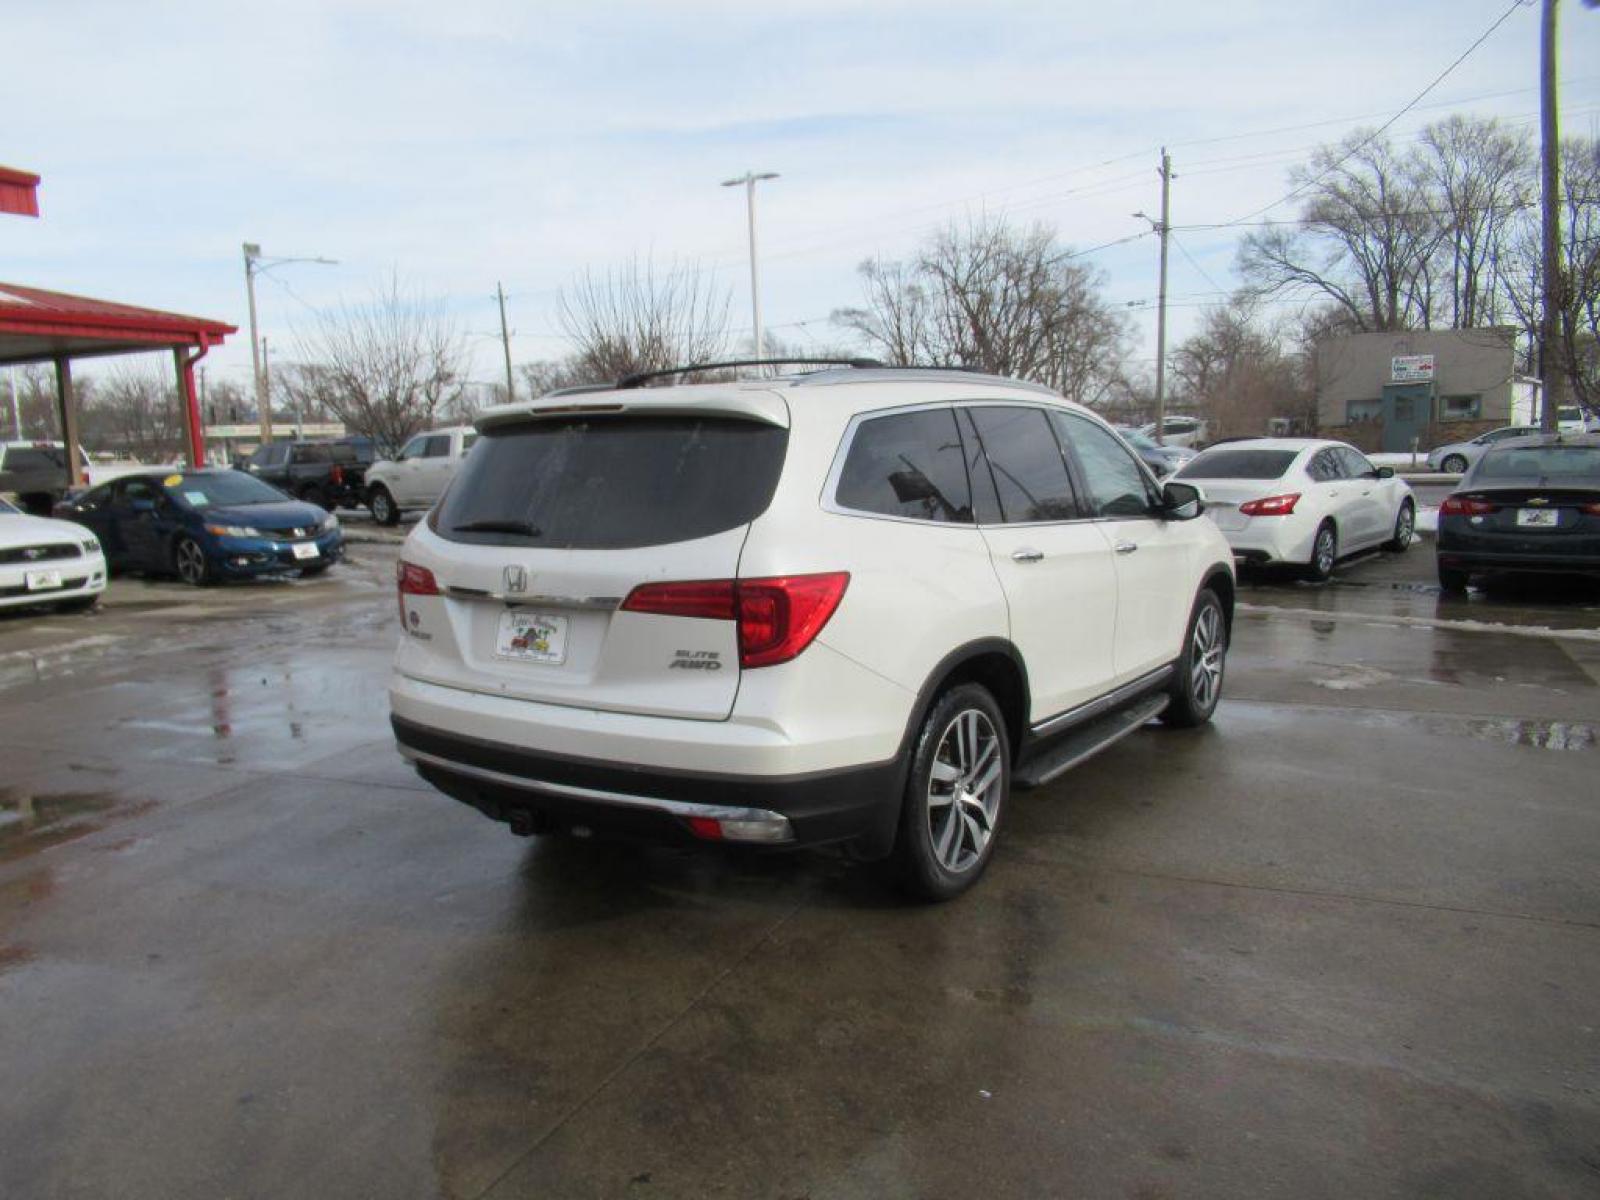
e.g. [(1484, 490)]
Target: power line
[(1378, 132)]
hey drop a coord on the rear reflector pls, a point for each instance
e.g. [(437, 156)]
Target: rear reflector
[(1592, 509), (756, 825), (778, 616), (1465, 506), (1271, 506)]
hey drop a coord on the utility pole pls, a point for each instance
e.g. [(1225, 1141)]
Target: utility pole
[(1161, 301), (252, 255), (749, 179), (1163, 228), (1554, 292), (266, 392), (505, 342)]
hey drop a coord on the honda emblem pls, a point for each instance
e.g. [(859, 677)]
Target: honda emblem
[(516, 580)]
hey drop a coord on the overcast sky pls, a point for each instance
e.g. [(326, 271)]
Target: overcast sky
[(462, 143)]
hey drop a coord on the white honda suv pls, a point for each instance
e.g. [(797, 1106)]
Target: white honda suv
[(853, 606)]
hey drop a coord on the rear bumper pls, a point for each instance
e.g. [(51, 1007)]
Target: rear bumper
[(1477, 562), (540, 790)]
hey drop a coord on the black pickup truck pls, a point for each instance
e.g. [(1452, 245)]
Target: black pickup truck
[(330, 474)]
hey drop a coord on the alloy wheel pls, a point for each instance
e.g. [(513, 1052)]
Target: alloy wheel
[(1324, 555), (1206, 657), (380, 506), (191, 563), (964, 790), (1405, 527)]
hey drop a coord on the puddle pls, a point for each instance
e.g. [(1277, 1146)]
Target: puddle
[(32, 821)]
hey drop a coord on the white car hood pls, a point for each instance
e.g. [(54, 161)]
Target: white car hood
[(19, 530)]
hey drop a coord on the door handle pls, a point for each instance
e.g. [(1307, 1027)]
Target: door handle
[(1126, 547), (1027, 554)]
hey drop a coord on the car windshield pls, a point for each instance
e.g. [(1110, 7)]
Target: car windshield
[(222, 489), (7, 507), (1138, 440), (1239, 464), (1577, 465)]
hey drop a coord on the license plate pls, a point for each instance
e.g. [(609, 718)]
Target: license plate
[(41, 581), (1538, 518), (531, 637), (306, 550)]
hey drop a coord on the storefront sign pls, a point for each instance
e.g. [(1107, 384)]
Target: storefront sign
[(1411, 368)]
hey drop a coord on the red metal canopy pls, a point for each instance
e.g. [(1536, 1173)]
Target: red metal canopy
[(41, 326), (19, 192)]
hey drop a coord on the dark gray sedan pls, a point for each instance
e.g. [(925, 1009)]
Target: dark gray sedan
[(1529, 506)]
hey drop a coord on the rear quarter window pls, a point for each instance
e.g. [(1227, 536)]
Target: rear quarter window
[(612, 482), (907, 465)]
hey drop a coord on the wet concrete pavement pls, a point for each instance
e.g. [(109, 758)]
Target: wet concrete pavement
[(1344, 942)]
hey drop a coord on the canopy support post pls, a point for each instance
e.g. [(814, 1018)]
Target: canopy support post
[(194, 440), (67, 404)]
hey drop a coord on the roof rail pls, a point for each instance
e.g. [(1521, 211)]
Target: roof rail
[(639, 378)]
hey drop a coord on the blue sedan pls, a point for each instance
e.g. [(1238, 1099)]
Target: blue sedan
[(205, 526)]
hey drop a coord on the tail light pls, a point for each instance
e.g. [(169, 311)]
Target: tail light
[(1465, 506), (336, 476), (1592, 509), (412, 580), (778, 616), (1271, 506)]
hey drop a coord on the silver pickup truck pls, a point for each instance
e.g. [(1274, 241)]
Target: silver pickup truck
[(419, 474)]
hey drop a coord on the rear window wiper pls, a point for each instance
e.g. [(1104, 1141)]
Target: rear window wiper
[(498, 525)]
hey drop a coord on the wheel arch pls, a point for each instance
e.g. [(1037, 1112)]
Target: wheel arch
[(1219, 579), (993, 662)]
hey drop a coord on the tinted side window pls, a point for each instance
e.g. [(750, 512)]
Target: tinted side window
[(413, 448), (1113, 478), (908, 465), (1029, 472), (312, 454)]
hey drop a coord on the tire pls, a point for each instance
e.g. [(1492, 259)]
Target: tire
[(382, 505), (1453, 464), (190, 563), (1198, 683), (309, 572), (1451, 581), (1405, 528), (315, 495), (935, 859), (1324, 554)]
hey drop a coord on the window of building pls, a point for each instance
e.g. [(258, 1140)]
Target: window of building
[(1460, 408), (1363, 410)]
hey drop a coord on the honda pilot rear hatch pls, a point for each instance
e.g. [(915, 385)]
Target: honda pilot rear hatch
[(558, 516)]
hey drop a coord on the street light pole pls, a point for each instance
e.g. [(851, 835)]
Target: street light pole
[(255, 264), (749, 179)]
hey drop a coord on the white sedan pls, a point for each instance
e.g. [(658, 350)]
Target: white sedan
[(1303, 502), (48, 562)]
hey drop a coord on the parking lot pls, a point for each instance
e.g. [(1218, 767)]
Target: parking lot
[(1345, 941)]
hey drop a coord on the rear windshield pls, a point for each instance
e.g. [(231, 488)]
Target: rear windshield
[(35, 458), (1551, 464), (612, 482), (1239, 464)]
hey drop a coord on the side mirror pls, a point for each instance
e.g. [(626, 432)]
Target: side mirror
[(1181, 501), (1385, 473)]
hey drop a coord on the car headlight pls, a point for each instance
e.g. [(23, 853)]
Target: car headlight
[(91, 546), (233, 530), (330, 522)]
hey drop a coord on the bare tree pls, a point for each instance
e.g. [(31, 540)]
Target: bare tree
[(133, 408), (1237, 372), (1366, 239), (384, 367), (999, 299), (638, 318), (1480, 176), (36, 403)]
